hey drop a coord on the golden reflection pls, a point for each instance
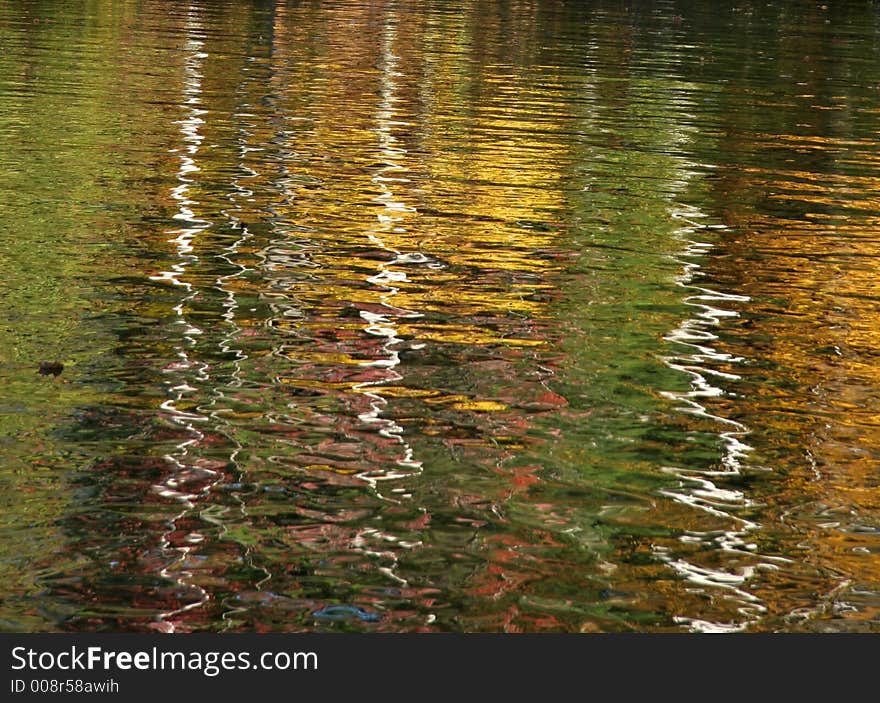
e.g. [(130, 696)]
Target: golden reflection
[(815, 324), (410, 234), (485, 233)]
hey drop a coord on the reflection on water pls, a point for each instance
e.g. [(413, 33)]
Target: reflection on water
[(465, 317)]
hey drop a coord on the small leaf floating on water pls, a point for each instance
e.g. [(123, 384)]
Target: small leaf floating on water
[(53, 368)]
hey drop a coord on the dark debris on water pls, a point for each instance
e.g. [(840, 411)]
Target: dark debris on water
[(51, 368)]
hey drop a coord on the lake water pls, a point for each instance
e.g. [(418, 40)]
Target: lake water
[(506, 316)]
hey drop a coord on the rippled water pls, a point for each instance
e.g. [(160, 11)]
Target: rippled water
[(453, 316)]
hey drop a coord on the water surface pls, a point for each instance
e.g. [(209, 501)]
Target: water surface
[(442, 316)]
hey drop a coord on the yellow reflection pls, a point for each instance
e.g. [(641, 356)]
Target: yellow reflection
[(480, 406), (815, 323)]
